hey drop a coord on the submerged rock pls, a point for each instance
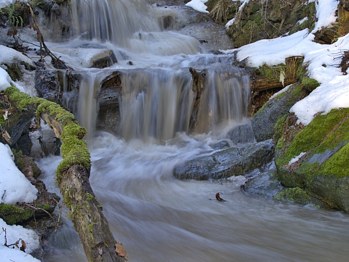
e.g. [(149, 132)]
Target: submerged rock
[(233, 161), (263, 182)]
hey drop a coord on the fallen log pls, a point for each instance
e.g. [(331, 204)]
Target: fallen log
[(73, 179)]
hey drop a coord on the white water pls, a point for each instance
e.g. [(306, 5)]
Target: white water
[(155, 216)]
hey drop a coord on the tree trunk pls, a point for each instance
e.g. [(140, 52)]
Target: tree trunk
[(87, 216)]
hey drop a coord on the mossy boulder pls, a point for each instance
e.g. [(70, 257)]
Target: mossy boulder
[(316, 158), (269, 19)]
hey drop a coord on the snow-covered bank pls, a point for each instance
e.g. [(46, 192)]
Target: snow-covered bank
[(14, 234), (323, 63)]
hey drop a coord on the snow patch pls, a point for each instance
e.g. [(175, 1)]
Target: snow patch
[(14, 186), (14, 233), (9, 56), (5, 80), (296, 159), (198, 5)]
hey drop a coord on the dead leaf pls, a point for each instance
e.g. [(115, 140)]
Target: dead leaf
[(120, 250), (24, 246), (219, 198)]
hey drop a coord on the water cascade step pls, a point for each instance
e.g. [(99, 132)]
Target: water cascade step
[(155, 104)]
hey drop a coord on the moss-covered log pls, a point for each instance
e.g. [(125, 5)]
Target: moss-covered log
[(73, 178)]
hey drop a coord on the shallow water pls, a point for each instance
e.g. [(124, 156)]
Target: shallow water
[(159, 218)]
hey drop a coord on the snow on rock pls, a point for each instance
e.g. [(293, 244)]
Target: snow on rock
[(334, 89), (198, 5), (14, 233), (9, 55), (274, 51), (325, 13), (5, 80), (296, 159), (14, 186)]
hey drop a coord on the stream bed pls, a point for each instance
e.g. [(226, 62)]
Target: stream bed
[(156, 216)]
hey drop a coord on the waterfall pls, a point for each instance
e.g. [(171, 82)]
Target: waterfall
[(225, 98), (112, 20), (131, 24), (87, 102), (155, 103)]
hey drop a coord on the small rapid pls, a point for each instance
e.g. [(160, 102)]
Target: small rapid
[(160, 218)]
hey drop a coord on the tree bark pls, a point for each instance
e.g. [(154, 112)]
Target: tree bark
[(87, 216)]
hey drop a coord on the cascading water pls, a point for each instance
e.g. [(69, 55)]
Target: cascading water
[(110, 20), (163, 95)]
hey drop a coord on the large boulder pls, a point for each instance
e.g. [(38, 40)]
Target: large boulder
[(316, 158), (233, 161)]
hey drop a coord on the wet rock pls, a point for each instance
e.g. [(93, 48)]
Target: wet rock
[(47, 84), (188, 21), (103, 59), (229, 162), (263, 182), (298, 196), (17, 126), (242, 134), (108, 99), (264, 120), (223, 144)]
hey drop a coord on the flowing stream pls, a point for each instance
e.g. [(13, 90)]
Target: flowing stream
[(155, 216)]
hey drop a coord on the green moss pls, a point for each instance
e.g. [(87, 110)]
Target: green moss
[(325, 132), (89, 197), (13, 214), (309, 83), (271, 73), (55, 110), (279, 127), (338, 164), (73, 129), (21, 100), (296, 195), (74, 150)]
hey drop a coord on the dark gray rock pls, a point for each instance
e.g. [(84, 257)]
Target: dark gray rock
[(229, 162), (263, 185), (242, 134), (222, 144), (47, 84), (265, 119)]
